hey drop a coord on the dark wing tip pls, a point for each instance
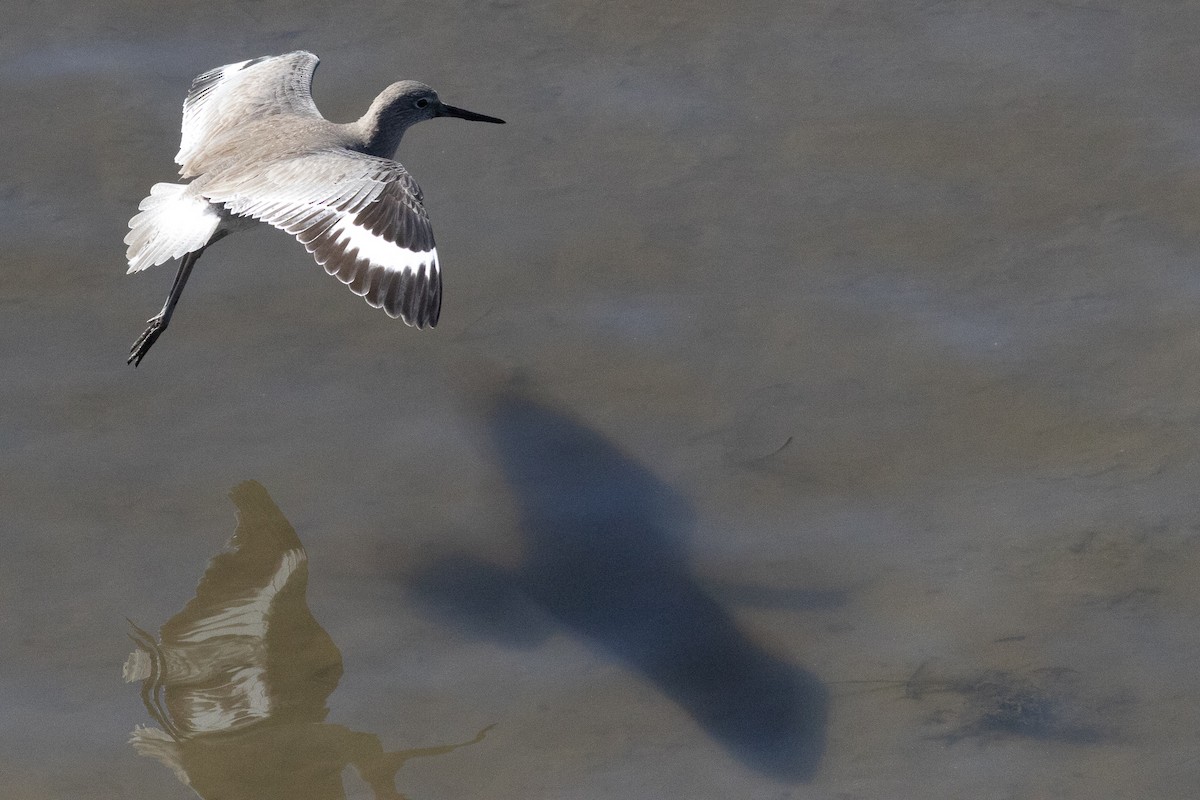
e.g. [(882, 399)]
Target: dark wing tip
[(414, 298)]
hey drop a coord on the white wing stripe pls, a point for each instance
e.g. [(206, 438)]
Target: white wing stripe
[(379, 251)]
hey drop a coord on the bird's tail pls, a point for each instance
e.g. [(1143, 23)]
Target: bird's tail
[(173, 222)]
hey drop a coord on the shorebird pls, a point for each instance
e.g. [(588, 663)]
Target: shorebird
[(256, 149)]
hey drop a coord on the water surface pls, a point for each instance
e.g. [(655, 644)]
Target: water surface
[(813, 411)]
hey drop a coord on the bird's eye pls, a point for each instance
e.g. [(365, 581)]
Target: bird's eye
[(424, 101)]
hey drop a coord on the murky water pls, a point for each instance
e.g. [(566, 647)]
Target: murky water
[(813, 414)]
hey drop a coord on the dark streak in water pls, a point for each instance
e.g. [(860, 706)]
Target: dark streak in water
[(605, 558)]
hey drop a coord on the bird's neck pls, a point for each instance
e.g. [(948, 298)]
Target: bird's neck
[(377, 133)]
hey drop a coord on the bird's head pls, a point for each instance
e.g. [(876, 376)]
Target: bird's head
[(406, 103)]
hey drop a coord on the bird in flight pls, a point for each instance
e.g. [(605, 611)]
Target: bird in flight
[(256, 149)]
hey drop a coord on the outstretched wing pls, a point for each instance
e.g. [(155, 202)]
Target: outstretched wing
[(229, 96), (361, 217)]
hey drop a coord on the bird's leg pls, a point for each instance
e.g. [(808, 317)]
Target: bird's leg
[(159, 322)]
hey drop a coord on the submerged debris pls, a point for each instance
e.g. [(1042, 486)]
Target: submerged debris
[(1049, 704)]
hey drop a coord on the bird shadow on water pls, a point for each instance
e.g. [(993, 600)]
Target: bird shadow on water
[(604, 556)]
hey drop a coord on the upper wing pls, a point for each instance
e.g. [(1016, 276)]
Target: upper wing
[(227, 96), (360, 216)]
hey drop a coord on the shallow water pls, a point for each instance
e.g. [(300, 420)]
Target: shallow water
[(813, 412)]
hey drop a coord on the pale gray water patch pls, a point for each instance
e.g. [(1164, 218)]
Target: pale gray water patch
[(1086, 48), (94, 58)]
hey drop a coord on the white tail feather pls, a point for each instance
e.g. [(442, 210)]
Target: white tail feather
[(159, 744), (173, 222)]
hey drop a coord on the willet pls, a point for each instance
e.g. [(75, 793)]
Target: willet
[(257, 150)]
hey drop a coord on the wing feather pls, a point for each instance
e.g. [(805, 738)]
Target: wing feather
[(362, 218), (226, 97)]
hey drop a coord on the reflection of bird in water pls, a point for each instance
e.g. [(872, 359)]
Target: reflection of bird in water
[(239, 679)]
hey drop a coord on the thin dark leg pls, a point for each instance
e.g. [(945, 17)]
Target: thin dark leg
[(159, 322)]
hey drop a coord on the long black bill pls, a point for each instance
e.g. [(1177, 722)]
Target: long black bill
[(462, 113)]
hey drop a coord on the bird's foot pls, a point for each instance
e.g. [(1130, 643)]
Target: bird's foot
[(149, 336)]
